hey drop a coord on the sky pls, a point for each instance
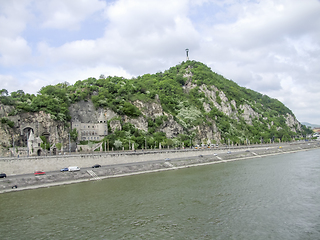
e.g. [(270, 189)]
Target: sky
[(270, 46)]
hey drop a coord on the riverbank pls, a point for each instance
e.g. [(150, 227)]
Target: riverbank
[(18, 183)]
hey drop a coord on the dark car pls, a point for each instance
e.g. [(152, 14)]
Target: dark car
[(96, 166), (64, 169), (3, 175)]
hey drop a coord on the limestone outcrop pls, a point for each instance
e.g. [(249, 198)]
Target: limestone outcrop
[(188, 101), (40, 123)]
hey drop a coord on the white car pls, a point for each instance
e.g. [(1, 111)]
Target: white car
[(73, 169)]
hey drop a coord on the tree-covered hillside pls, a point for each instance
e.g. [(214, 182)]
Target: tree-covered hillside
[(183, 93)]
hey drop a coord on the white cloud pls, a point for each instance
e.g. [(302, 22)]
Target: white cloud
[(269, 46), (136, 31), (13, 17), (71, 75), (61, 14), (14, 51), (8, 82)]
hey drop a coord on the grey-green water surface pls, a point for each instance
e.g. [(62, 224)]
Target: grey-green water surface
[(275, 197)]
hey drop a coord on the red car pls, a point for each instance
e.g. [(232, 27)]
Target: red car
[(39, 173)]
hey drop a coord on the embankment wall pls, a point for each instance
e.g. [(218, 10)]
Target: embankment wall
[(25, 165), (16, 166)]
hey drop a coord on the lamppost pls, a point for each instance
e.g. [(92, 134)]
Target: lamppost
[(145, 143), (28, 143), (12, 146)]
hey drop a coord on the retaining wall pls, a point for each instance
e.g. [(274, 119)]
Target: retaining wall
[(25, 165), (15, 166)]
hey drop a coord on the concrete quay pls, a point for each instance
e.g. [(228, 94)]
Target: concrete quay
[(117, 164)]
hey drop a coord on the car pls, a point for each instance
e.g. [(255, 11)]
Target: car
[(167, 159), (96, 166), (64, 169), (200, 155), (3, 175), (39, 173), (73, 169)]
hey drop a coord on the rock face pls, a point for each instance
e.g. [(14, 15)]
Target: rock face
[(171, 128), (139, 123), (291, 121), (39, 123), (205, 116), (222, 104), (151, 110), (85, 112), (248, 114)]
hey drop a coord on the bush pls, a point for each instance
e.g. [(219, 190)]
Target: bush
[(8, 122)]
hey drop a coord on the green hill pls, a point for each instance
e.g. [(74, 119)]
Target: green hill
[(197, 99)]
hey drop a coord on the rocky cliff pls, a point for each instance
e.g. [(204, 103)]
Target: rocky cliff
[(186, 105)]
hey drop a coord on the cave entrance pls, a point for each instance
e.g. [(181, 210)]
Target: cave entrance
[(46, 135), (54, 151), (26, 134), (39, 152)]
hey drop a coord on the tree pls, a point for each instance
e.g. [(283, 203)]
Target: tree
[(74, 135), (117, 144), (45, 144), (4, 92)]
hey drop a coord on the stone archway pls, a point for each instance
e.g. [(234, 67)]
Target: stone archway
[(26, 133), (46, 135), (46, 142), (54, 151), (39, 152)]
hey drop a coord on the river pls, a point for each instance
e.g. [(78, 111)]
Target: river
[(273, 197)]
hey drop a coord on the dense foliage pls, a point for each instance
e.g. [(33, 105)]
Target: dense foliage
[(186, 107)]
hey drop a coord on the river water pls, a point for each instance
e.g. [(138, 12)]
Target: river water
[(274, 197)]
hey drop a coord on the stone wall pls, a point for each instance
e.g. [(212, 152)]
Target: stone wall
[(16, 166)]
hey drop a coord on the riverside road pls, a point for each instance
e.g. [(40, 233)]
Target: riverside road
[(203, 156)]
